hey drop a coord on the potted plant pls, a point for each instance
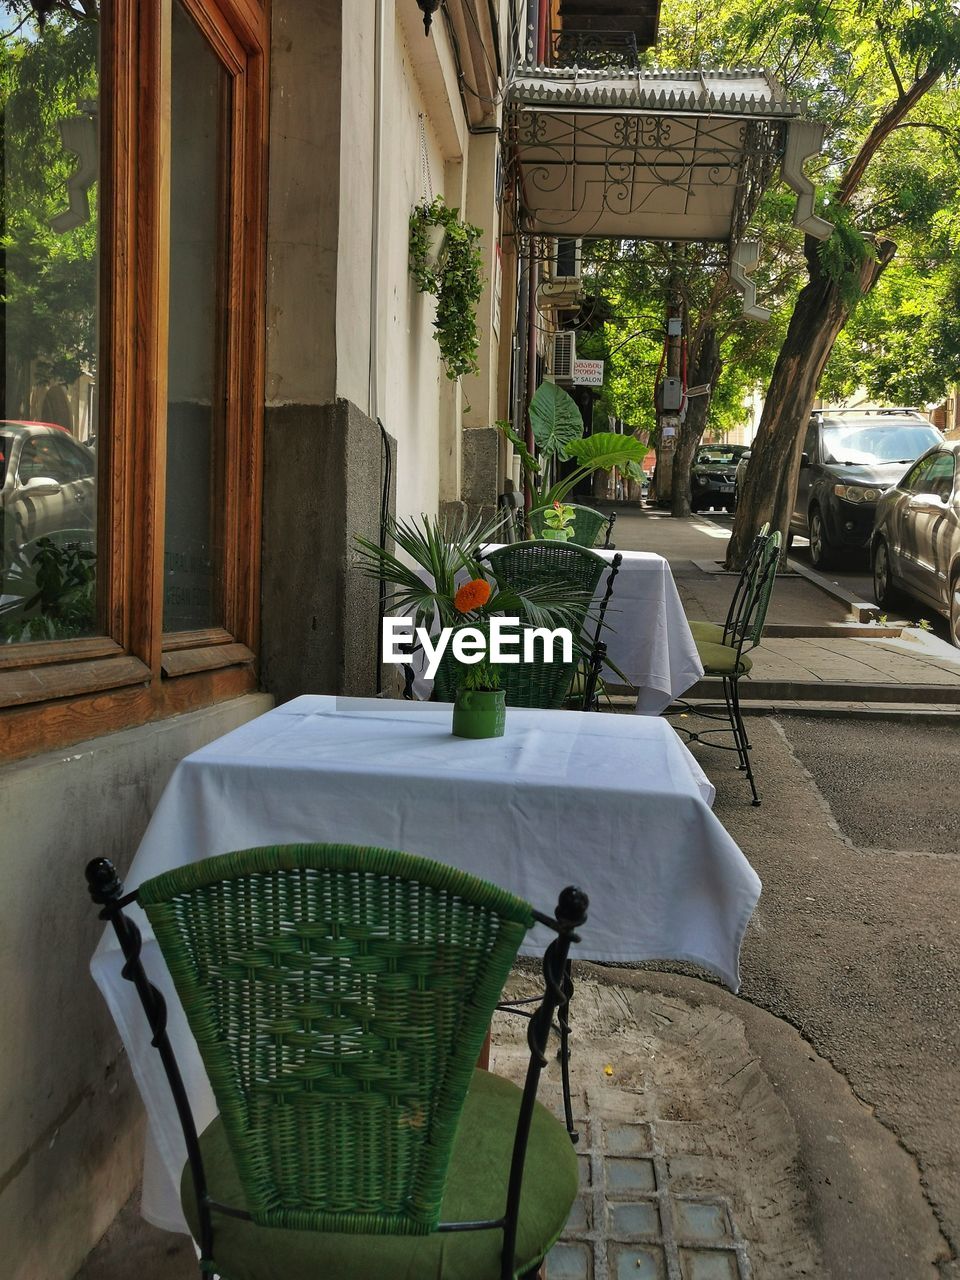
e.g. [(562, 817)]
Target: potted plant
[(446, 262), (558, 435), (436, 577), (479, 710), (558, 522)]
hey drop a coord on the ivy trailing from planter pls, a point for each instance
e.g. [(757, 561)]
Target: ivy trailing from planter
[(455, 280)]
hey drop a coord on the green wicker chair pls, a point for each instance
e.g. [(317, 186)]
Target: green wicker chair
[(528, 564), (590, 528), (728, 658), (339, 998), (545, 684)]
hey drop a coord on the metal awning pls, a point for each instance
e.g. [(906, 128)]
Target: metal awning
[(679, 155)]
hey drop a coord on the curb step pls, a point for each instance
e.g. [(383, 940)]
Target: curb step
[(823, 691)]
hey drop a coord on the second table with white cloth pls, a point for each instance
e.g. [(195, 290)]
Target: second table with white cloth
[(612, 803), (647, 634)]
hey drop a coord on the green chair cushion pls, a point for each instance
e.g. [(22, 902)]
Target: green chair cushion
[(721, 659), (476, 1189), (712, 632)]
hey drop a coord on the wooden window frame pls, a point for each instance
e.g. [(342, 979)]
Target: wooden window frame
[(54, 693)]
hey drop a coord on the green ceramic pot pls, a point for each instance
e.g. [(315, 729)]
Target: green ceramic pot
[(557, 535), (479, 713)]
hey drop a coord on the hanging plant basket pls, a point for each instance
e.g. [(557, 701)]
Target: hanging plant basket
[(445, 261)]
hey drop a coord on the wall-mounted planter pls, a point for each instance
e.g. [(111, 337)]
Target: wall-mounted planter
[(436, 246), (445, 261)]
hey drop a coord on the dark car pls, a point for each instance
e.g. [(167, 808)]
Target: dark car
[(916, 536), (850, 458), (713, 475)]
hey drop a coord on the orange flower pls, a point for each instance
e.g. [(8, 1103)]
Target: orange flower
[(472, 595)]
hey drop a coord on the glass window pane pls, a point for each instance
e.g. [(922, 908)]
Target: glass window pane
[(916, 478), (49, 151), (939, 479), (199, 154)]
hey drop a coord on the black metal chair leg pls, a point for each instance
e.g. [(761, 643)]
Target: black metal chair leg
[(746, 742), (563, 1022), (728, 687)]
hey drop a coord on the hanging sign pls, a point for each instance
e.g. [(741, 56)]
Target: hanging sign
[(588, 373)]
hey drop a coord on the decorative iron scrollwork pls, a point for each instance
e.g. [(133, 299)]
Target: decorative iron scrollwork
[(597, 49)]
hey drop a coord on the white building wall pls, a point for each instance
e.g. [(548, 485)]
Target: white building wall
[(415, 403)]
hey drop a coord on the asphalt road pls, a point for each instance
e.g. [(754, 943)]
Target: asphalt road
[(856, 940)]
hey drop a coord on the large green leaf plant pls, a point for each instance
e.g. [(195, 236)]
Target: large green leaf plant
[(558, 435)]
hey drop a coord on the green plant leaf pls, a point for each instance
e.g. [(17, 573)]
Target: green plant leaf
[(598, 452), (556, 420), (527, 461), (606, 449)]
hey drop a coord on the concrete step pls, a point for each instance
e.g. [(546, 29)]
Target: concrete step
[(768, 691)]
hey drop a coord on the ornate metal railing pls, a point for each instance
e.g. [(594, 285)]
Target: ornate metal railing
[(595, 49)]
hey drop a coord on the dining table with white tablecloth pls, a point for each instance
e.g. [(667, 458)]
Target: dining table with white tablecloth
[(647, 635), (615, 804)]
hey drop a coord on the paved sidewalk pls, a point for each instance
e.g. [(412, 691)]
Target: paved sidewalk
[(814, 650)]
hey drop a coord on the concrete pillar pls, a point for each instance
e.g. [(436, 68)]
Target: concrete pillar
[(323, 476)]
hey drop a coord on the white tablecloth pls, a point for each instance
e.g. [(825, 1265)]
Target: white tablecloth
[(647, 634), (613, 803)]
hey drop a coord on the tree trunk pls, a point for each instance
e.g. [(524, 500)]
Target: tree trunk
[(705, 371), (771, 481)]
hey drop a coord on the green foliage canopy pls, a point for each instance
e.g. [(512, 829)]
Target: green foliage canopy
[(49, 281)]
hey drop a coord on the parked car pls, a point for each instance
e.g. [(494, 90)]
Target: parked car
[(22, 422), (850, 458), (712, 476), (47, 487), (916, 536)]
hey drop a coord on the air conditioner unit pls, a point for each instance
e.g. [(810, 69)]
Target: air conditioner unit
[(564, 354)]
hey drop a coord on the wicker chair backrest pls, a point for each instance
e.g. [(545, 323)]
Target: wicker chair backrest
[(526, 684), (339, 998), (529, 564)]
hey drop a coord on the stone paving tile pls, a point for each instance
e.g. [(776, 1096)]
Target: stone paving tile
[(847, 660), (636, 1217)]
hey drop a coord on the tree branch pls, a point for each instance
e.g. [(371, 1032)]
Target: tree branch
[(889, 59), (891, 116), (952, 135)]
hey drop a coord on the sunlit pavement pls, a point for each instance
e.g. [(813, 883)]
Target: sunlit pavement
[(855, 576)]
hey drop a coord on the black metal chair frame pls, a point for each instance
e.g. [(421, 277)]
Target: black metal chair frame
[(751, 565), (107, 892), (743, 628)]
